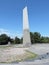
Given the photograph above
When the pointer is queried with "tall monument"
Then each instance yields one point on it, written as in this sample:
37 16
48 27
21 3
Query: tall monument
26 33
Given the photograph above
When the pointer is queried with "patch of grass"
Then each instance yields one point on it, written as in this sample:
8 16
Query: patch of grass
27 55
30 55
4 46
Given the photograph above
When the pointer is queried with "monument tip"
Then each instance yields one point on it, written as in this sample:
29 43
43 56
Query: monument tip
25 7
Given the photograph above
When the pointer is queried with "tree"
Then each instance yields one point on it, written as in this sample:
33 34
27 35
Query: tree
32 37
3 39
37 37
10 40
44 39
17 40
21 40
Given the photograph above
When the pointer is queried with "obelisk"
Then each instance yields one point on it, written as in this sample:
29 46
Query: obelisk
26 33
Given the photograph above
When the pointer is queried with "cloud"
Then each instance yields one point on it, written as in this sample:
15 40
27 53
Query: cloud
4 31
11 34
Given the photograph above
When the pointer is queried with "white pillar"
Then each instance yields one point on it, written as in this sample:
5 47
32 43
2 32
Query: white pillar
26 33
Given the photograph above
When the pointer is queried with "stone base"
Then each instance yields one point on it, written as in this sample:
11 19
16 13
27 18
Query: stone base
27 45
26 38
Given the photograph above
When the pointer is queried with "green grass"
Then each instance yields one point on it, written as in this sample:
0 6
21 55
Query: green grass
4 46
27 55
31 55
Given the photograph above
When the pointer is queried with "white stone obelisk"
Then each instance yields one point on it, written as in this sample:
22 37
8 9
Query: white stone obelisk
26 33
